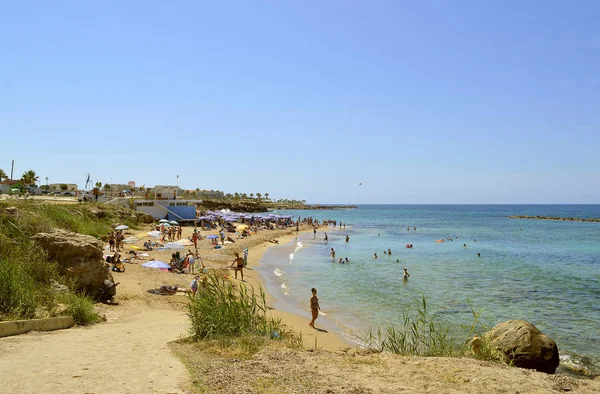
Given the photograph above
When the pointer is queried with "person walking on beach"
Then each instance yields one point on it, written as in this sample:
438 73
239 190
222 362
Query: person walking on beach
314 233
245 257
239 265
347 238
314 307
332 254
326 238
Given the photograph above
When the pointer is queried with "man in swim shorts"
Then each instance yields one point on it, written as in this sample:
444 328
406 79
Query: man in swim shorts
239 265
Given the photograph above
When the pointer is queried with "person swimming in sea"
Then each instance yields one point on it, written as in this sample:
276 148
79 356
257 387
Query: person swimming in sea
375 256
389 252
406 274
347 238
341 261
347 261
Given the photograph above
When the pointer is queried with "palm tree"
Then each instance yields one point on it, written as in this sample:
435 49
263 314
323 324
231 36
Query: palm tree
258 195
98 185
29 178
251 195
3 175
236 195
267 196
244 196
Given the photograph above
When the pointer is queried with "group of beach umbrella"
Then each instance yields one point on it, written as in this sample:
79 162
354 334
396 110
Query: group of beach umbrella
229 216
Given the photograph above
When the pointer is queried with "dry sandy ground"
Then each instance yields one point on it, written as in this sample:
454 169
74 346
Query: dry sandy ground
277 370
127 354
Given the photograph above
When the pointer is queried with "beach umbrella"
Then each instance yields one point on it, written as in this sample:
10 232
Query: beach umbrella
163 221
173 222
156 264
166 224
241 227
122 227
212 236
154 233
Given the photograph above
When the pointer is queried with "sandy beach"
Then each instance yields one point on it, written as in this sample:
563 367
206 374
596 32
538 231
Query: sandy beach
221 259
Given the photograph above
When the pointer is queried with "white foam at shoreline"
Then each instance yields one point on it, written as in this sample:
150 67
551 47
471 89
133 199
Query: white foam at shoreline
278 272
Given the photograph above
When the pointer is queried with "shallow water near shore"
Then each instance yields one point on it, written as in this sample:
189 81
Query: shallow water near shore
546 272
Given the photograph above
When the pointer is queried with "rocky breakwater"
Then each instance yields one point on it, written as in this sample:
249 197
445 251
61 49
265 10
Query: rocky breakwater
79 258
521 344
596 220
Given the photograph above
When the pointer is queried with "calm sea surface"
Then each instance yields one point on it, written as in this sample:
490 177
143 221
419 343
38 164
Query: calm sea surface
546 272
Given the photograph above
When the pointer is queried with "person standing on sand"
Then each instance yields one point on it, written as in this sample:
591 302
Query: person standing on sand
239 265
195 239
314 307
314 233
111 241
245 257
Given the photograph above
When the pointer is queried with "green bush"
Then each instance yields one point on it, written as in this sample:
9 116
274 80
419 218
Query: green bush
218 310
81 308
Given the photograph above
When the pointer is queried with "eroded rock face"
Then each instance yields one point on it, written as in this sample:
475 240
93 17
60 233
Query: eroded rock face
79 257
523 345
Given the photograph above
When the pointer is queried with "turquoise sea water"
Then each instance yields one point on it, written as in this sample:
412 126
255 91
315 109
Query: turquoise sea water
546 272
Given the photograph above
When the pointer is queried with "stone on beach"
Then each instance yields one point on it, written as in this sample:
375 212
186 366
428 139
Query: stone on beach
524 346
79 257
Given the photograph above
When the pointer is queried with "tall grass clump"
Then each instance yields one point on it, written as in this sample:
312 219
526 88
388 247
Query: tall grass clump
81 308
418 334
219 310
17 292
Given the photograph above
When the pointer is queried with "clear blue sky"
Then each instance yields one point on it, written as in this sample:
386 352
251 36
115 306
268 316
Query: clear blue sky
421 101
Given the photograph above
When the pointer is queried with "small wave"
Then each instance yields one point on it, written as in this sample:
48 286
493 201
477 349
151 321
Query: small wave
278 272
298 245
283 286
291 256
322 314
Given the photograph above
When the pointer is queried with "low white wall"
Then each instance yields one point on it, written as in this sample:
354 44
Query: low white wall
16 327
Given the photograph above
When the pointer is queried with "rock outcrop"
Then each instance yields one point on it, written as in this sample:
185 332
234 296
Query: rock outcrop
79 257
523 345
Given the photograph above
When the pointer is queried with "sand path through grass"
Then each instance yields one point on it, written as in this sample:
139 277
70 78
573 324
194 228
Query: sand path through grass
128 353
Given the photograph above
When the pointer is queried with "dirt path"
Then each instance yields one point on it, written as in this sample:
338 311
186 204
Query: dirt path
128 353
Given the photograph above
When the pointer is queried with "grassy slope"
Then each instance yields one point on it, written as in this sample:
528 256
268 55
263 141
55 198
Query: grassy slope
26 274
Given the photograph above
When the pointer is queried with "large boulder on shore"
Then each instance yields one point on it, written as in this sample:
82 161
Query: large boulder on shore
523 345
79 257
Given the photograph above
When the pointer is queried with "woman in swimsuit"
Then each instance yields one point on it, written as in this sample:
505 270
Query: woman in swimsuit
314 307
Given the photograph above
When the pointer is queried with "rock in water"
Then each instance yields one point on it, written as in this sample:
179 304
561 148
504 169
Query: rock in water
524 346
78 256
